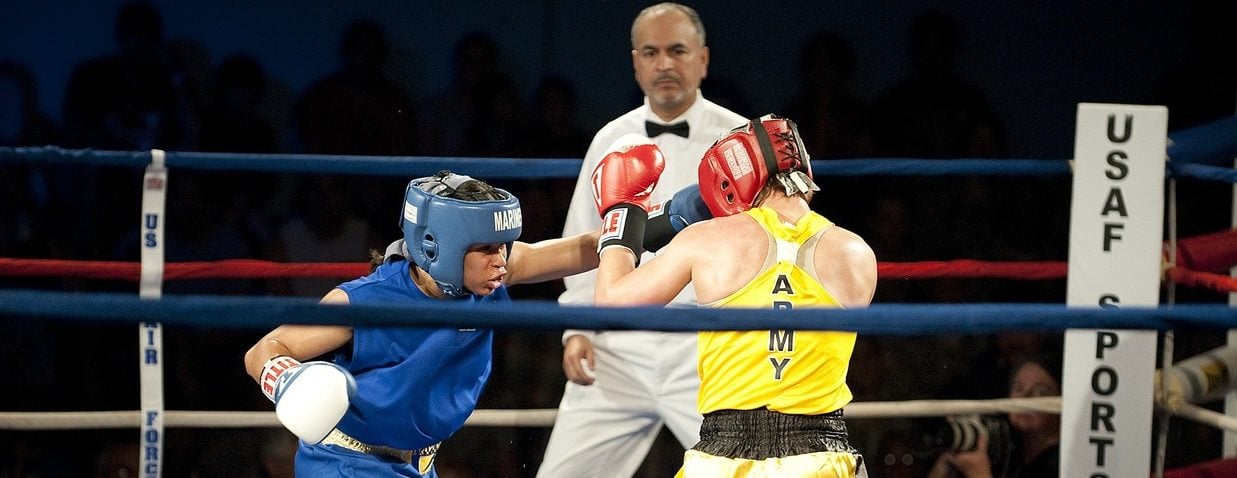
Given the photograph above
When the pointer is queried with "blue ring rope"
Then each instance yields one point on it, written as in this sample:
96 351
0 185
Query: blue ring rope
1202 152
879 319
541 168
500 168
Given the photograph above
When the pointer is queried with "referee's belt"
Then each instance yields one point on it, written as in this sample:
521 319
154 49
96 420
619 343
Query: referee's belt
343 440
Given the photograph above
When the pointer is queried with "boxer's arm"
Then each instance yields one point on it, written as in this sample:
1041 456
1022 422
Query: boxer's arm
656 282
301 342
311 397
552 258
557 258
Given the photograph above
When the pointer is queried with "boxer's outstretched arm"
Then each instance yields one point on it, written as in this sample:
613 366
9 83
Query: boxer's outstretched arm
552 258
656 282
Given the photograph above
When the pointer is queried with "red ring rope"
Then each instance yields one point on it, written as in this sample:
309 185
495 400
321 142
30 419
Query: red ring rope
1197 255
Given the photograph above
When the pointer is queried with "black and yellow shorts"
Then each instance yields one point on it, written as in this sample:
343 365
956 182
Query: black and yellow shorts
764 443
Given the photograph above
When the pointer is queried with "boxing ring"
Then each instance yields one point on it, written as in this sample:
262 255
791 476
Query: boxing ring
1203 153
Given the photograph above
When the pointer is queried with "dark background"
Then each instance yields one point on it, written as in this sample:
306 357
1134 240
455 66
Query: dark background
1033 59
247 77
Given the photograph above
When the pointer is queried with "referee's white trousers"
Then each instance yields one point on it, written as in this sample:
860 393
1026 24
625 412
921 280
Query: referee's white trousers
644 379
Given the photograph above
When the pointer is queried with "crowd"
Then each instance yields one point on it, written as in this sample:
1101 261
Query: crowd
160 91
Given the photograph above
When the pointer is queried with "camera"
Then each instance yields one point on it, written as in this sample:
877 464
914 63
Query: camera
962 433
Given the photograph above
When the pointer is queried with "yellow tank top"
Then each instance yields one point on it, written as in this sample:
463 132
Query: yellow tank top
789 371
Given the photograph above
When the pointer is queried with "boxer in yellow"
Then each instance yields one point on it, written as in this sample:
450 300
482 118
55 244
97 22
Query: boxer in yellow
772 400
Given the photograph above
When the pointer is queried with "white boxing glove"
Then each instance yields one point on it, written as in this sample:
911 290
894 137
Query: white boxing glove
310 398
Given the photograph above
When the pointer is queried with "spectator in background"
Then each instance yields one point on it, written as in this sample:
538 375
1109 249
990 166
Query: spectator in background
322 228
832 119
24 195
499 120
241 453
552 131
993 361
125 100
236 122
1037 436
935 113
22 122
190 66
932 113
886 444
834 124
233 121
122 101
448 114
555 130
359 110
896 457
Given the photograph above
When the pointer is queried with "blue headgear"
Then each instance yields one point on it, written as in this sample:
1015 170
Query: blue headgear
438 230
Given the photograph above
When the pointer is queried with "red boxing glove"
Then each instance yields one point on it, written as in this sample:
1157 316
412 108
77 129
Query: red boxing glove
622 183
627 173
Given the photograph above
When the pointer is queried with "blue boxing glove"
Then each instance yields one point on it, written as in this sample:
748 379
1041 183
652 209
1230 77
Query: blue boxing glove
310 398
687 207
668 218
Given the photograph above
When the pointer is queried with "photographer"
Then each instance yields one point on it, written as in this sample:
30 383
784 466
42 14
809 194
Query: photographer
1036 435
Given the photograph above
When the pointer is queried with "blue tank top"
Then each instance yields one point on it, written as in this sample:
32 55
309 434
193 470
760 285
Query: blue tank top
415 386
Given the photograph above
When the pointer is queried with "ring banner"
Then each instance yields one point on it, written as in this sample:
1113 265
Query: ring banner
1116 230
150 335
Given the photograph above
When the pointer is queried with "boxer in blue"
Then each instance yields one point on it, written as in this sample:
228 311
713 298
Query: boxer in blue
390 395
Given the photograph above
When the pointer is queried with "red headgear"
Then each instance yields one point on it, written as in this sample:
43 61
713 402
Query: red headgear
737 166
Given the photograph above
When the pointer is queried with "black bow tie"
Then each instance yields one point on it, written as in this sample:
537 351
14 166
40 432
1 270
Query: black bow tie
656 129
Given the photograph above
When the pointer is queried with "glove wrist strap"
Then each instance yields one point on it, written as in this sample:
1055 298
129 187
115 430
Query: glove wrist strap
272 370
660 228
623 225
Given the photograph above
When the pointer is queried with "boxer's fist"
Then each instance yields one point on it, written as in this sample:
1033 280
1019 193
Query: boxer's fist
687 208
310 398
668 218
627 173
